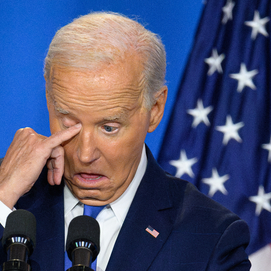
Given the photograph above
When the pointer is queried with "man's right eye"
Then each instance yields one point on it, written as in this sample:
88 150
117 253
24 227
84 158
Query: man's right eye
66 123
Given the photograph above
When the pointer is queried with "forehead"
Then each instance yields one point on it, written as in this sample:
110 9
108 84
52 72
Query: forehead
113 85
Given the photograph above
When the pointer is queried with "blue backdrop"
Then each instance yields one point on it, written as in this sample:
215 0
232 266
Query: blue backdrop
27 27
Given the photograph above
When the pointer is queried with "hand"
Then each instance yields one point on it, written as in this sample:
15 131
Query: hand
25 159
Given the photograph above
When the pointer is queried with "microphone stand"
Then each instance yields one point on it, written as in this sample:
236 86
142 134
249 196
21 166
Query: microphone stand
81 256
18 252
16 265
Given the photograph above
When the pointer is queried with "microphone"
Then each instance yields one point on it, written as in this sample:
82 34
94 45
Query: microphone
83 242
19 240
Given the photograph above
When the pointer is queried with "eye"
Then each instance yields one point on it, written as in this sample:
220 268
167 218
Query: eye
110 129
66 122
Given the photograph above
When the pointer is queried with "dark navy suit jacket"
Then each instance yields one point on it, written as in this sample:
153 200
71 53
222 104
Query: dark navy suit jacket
195 233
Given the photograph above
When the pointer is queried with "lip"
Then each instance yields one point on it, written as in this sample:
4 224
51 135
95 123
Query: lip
89 178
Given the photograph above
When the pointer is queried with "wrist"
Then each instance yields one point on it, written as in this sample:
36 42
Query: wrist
8 195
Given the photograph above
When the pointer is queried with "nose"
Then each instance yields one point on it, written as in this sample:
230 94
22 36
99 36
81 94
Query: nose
86 150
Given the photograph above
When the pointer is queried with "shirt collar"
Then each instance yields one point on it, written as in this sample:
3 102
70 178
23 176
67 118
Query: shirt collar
70 201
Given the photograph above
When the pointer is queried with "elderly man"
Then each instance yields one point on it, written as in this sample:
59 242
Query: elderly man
105 91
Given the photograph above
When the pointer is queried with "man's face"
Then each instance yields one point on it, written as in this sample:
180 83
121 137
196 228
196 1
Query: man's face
100 161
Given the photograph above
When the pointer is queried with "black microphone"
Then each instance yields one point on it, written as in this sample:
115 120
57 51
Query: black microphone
83 242
19 240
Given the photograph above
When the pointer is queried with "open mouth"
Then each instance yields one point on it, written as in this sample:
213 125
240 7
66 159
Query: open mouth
90 177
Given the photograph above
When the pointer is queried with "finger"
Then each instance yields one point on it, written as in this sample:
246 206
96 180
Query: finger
62 136
50 172
54 175
55 166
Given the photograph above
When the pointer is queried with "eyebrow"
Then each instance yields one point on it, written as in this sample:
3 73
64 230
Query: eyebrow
113 118
59 109
62 111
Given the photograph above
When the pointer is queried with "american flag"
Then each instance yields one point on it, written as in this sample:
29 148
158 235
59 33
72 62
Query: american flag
152 231
219 133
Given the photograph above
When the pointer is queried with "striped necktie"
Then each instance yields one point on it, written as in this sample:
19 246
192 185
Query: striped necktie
92 211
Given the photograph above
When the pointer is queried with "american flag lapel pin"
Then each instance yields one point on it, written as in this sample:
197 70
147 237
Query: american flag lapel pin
152 231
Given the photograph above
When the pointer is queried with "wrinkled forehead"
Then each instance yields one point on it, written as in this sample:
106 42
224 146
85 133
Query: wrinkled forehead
110 86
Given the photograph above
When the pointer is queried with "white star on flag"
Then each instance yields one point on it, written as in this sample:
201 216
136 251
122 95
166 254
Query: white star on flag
262 201
268 147
214 62
244 78
227 10
258 25
216 183
230 130
200 114
183 165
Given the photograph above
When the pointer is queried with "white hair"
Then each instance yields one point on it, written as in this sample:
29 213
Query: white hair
98 38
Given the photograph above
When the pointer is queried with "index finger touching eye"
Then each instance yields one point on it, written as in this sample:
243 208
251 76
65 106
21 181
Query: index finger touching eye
62 136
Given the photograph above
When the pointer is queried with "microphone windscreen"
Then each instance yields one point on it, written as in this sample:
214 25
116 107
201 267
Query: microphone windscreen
20 223
84 228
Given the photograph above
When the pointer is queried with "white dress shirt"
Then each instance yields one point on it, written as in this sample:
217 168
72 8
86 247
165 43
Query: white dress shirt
110 218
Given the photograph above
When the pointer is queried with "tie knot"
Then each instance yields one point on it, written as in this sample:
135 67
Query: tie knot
92 211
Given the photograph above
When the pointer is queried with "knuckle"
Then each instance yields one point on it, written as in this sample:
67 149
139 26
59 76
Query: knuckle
25 131
28 130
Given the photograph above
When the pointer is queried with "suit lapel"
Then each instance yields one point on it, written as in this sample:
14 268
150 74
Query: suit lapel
135 248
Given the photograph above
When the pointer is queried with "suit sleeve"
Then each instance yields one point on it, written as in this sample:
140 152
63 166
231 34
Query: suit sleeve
229 252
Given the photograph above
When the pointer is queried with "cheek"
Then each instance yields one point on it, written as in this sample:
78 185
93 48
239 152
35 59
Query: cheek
69 157
129 147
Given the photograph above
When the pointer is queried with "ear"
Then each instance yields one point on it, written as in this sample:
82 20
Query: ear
157 110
